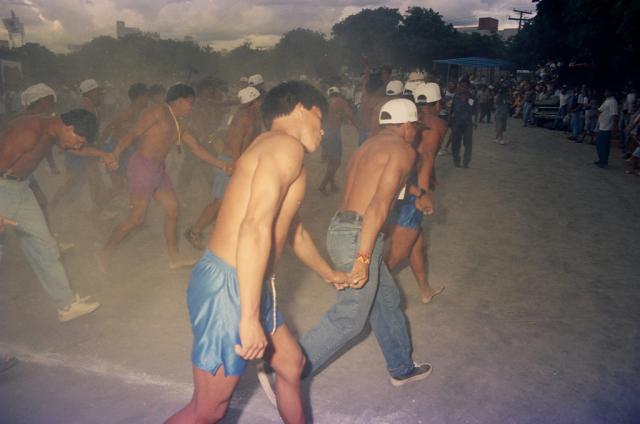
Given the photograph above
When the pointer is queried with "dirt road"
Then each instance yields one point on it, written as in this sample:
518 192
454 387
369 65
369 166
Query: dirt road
538 322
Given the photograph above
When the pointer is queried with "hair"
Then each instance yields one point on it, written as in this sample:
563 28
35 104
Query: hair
179 91
137 90
283 98
84 123
156 89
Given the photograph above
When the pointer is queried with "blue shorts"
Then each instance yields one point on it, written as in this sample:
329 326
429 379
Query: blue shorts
220 179
407 215
213 300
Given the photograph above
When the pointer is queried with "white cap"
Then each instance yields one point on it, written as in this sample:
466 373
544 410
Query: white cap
88 85
36 92
415 76
333 90
427 93
398 111
255 80
394 88
410 86
248 94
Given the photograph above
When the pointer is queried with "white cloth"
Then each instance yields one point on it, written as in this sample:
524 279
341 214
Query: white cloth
36 92
608 110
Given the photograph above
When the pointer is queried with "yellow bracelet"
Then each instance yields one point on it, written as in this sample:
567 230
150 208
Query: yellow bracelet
363 258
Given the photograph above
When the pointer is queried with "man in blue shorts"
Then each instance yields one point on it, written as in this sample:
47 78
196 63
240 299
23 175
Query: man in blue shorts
231 295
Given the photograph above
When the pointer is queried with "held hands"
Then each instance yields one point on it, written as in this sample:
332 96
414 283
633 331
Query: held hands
228 168
339 279
425 204
110 161
252 338
359 274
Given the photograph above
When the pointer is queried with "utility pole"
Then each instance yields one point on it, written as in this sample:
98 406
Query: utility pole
520 19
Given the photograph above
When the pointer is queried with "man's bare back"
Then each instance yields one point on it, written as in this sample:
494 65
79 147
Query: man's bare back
367 166
339 111
157 132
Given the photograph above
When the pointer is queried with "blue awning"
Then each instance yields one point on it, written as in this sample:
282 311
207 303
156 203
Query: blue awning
476 62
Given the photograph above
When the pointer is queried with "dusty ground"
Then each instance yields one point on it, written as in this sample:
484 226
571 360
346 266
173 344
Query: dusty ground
538 322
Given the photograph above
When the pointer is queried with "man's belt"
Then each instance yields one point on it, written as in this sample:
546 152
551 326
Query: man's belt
10 177
348 217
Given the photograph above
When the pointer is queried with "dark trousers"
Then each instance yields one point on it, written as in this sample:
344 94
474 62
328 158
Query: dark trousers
603 146
462 135
485 112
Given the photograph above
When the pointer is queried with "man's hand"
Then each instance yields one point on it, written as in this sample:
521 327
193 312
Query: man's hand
228 168
6 221
110 161
339 279
425 204
252 339
359 274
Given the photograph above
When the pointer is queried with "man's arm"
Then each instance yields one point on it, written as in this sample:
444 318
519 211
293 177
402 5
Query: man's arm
306 250
203 154
428 149
236 134
394 173
271 180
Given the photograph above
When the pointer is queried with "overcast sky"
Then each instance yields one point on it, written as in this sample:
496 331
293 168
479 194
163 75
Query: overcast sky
221 23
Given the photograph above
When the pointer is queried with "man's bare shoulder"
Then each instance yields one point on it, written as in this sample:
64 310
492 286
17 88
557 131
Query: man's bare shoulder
279 143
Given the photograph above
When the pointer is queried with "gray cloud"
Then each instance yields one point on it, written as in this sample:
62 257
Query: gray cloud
58 23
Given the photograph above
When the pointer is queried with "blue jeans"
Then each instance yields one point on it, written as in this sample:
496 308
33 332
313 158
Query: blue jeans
18 203
377 303
577 123
603 146
462 136
527 108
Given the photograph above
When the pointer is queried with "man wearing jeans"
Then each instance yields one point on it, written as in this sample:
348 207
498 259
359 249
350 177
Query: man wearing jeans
607 120
376 173
23 144
460 121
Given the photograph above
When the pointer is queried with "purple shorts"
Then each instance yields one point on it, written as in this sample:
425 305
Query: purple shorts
146 176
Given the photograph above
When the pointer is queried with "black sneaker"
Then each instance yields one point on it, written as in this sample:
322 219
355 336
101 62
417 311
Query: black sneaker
419 372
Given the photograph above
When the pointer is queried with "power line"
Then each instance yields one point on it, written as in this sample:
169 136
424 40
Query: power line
521 19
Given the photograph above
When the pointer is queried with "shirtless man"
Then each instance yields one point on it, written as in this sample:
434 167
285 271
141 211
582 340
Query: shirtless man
234 319
23 144
157 130
244 128
119 125
407 238
376 173
367 116
339 111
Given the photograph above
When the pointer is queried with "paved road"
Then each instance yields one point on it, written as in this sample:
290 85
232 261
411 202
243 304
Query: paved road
538 322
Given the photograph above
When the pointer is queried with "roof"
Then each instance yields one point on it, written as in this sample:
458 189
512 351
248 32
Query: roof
476 62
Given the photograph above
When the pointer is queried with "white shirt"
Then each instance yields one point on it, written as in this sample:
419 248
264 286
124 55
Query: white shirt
608 110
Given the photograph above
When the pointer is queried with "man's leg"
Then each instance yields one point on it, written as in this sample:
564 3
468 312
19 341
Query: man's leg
456 138
41 250
390 326
418 263
137 211
468 145
211 396
347 318
169 203
402 241
285 357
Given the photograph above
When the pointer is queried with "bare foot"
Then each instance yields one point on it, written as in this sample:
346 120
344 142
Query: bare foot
102 257
179 263
430 293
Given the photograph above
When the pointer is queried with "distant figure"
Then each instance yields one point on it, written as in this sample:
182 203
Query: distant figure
376 173
407 237
463 108
607 123
231 295
502 113
339 112
244 128
23 144
158 130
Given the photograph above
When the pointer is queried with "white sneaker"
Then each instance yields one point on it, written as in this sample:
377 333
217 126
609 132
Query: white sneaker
80 307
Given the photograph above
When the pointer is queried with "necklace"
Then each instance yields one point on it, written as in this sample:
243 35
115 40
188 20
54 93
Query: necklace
175 120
